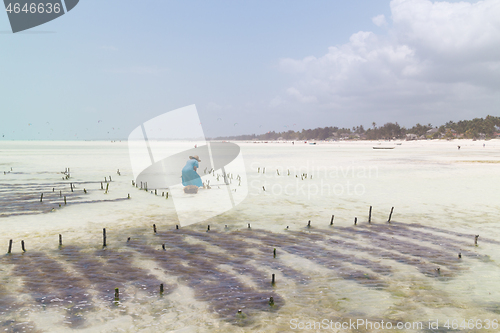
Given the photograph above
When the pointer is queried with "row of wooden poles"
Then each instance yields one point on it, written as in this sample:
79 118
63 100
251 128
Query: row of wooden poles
104 243
117 291
302 176
85 190
144 186
356 219
370 216
104 238
273 276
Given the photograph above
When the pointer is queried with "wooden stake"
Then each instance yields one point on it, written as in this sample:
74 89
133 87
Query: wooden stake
107 188
117 294
64 199
370 215
154 228
331 221
41 197
475 239
271 301
71 185
103 237
390 215
128 196
273 280
208 229
110 179
309 224
248 225
60 240
10 246
177 226
60 193
355 220
161 289
102 188
163 247
22 246
274 253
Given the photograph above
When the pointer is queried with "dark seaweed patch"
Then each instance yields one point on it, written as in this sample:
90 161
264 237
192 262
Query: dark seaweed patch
115 271
24 199
223 291
320 255
454 233
42 279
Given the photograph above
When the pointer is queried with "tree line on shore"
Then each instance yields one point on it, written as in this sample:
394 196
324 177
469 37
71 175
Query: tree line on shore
471 129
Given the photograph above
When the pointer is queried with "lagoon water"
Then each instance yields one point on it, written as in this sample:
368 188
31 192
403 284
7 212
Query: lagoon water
406 271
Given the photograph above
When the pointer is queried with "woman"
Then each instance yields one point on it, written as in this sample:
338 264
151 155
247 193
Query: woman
189 174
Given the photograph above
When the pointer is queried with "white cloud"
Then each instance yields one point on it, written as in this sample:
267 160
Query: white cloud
437 58
276 101
300 97
379 20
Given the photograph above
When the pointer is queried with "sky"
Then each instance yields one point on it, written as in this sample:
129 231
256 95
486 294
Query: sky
106 67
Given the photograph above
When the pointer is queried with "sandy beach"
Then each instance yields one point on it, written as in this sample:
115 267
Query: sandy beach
406 271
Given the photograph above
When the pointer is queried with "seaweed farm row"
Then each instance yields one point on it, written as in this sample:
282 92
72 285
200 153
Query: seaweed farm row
238 275
44 192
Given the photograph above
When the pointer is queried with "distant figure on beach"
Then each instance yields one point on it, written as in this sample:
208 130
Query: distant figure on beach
189 174
458 147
